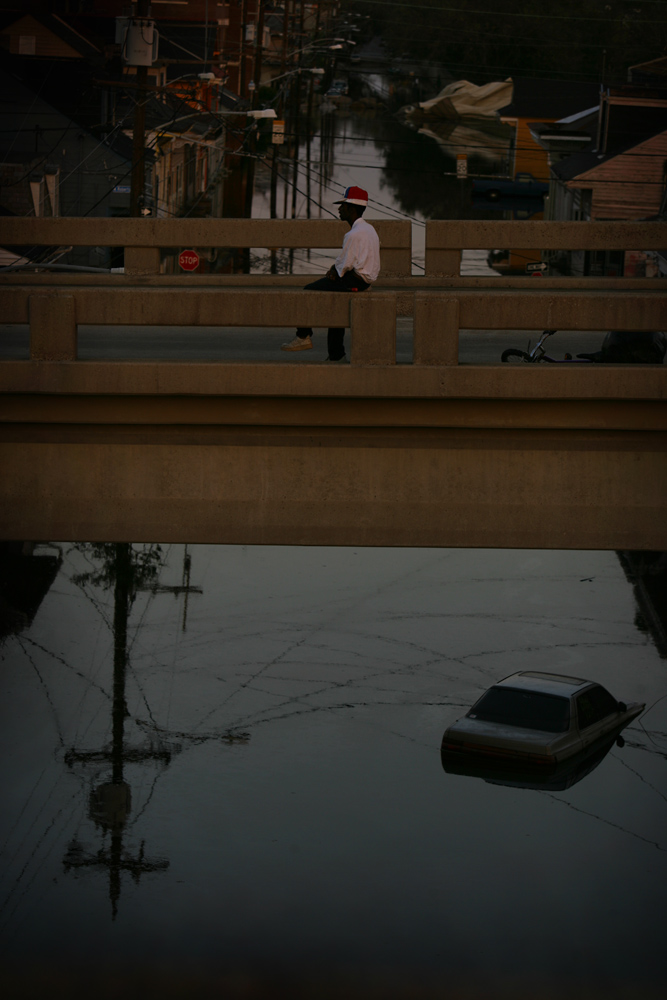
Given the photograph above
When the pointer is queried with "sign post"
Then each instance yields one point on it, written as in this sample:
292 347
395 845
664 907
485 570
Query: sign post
278 131
189 260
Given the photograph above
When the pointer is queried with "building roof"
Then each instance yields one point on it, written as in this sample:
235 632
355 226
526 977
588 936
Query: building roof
35 15
42 123
654 71
627 126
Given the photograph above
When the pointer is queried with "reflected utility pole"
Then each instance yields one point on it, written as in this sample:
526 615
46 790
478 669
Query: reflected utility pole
110 802
185 587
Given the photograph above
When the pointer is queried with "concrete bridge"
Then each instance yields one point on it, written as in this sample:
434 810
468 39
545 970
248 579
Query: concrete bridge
432 453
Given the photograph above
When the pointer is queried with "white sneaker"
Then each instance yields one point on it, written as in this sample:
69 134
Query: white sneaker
298 344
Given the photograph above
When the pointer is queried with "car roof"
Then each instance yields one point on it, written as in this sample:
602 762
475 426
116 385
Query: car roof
533 680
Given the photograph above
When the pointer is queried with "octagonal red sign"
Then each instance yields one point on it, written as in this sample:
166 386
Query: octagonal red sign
189 260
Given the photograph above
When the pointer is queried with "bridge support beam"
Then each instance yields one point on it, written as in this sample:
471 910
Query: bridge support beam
561 467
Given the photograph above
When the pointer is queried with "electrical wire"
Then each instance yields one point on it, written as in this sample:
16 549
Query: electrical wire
501 12
461 34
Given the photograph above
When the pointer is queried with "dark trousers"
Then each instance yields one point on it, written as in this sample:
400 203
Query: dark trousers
350 282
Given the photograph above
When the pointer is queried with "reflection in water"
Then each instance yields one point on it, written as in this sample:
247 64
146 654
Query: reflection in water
330 840
128 570
488 142
647 572
25 578
551 778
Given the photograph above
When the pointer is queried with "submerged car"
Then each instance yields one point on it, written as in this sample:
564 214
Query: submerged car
539 718
521 774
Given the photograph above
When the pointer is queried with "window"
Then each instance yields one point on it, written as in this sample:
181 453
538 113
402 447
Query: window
594 705
549 713
27 45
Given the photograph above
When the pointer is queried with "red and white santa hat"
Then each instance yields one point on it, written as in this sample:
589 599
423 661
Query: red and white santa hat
354 196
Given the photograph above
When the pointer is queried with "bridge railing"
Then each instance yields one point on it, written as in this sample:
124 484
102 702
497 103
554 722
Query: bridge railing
54 314
446 239
442 301
439 316
144 238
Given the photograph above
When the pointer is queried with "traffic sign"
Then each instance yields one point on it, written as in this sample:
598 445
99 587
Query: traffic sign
536 267
189 260
277 131
462 165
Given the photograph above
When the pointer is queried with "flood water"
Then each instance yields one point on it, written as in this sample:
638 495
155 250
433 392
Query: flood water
409 174
224 761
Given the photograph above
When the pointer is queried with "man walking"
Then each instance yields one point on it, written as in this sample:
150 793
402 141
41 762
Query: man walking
354 270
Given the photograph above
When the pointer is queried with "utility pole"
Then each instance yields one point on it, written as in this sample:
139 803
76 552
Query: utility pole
287 100
259 42
138 135
185 587
242 66
257 72
281 114
297 106
308 124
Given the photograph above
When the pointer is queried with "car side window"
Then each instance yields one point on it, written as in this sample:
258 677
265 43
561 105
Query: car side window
594 705
585 712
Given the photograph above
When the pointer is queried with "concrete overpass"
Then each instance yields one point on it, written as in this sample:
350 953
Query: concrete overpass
434 453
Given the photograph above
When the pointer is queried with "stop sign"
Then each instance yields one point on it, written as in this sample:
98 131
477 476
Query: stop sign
189 260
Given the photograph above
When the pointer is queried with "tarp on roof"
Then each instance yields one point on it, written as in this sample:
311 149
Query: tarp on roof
463 99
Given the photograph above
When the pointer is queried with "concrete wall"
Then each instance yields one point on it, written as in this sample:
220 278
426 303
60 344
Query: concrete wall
363 456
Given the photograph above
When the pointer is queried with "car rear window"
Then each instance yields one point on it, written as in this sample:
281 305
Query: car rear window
549 713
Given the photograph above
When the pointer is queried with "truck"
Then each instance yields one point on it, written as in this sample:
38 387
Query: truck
524 185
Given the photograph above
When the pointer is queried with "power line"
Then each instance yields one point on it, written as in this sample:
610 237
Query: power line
502 12
476 32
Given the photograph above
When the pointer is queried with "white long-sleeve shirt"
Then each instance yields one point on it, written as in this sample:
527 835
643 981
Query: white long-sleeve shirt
360 253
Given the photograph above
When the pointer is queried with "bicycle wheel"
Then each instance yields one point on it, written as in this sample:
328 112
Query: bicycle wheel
515 357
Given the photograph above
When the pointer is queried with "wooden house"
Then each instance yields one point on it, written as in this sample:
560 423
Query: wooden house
535 100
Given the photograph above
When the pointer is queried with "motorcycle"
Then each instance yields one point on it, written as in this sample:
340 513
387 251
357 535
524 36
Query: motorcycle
620 347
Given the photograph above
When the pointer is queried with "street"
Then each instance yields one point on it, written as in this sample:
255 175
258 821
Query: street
175 343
